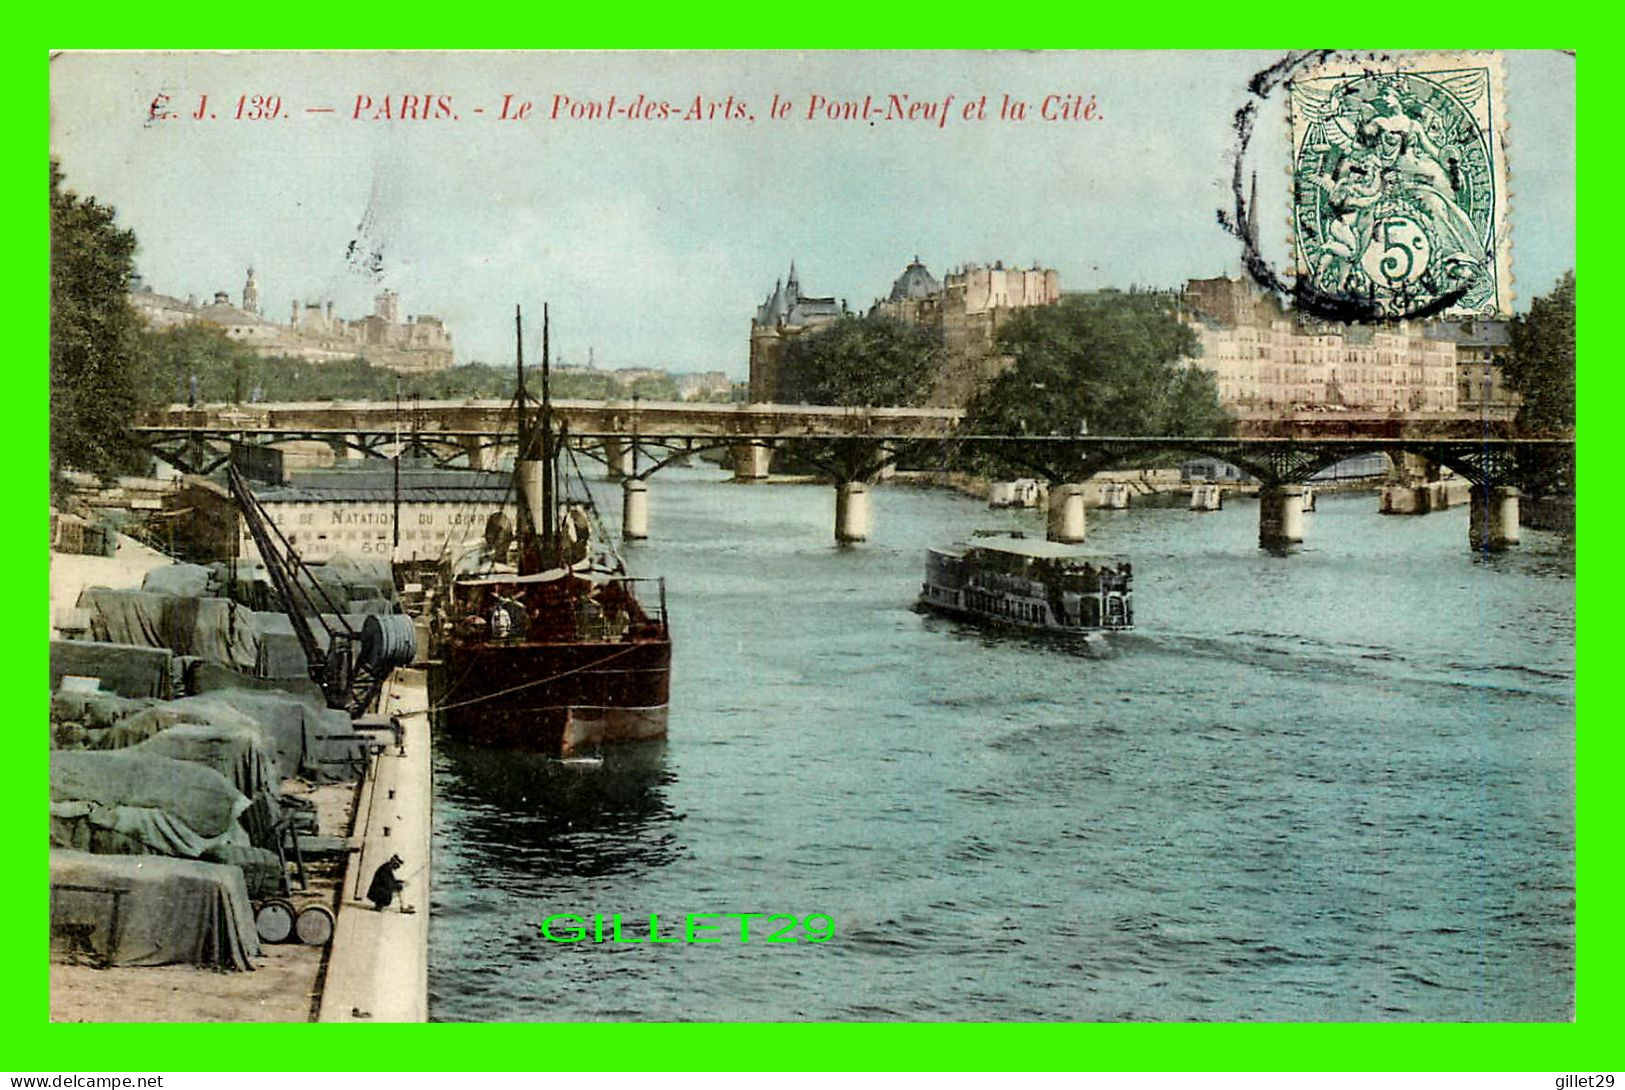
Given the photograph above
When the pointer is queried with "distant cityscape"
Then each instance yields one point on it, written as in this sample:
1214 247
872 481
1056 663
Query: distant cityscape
1263 356
420 344
313 332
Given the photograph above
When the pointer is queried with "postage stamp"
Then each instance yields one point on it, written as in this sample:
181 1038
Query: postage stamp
1399 188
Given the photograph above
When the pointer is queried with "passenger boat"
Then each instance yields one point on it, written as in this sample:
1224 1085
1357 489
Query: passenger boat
554 652
1010 580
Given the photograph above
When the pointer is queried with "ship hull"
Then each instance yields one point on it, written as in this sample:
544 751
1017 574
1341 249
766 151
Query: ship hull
1004 622
561 698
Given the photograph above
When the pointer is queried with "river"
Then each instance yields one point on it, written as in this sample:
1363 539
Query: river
1336 785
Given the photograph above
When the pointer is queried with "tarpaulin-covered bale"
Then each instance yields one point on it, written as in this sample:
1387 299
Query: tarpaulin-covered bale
249 584
262 868
215 629
238 753
368 584
156 718
188 580
78 719
124 616
120 910
208 677
97 710
280 653
375 572
313 742
118 802
128 670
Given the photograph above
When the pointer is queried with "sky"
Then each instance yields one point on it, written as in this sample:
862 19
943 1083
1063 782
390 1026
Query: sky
653 239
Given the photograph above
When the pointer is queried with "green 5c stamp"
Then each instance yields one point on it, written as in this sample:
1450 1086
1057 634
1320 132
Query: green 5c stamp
1399 187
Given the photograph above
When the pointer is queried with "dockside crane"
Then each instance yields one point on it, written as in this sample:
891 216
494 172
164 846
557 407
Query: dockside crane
352 667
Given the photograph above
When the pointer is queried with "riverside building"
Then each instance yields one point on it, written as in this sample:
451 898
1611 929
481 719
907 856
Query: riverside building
1264 357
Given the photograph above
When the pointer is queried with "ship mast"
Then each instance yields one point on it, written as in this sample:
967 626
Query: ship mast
550 521
535 466
519 386
522 476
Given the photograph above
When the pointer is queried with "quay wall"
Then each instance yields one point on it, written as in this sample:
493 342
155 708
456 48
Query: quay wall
379 967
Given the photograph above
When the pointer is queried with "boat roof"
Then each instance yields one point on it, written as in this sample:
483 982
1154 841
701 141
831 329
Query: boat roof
1032 548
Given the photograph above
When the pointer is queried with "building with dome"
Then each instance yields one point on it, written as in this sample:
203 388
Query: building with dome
914 284
967 309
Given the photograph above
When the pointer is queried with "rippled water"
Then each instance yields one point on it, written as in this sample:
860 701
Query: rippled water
1332 786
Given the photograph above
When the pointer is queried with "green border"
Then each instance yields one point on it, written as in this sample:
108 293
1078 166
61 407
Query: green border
32 1044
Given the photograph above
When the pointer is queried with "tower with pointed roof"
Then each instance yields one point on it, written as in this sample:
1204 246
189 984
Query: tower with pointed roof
251 293
784 315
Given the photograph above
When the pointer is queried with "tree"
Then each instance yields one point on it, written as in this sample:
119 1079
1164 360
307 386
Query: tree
861 361
1112 365
1541 368
94 335
224 370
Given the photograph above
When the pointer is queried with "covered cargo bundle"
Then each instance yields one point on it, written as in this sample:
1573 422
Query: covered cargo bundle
213 629
300 739
346 584
358 584
238 753
95 710
350 584
117 802
187 580
79 718
203 678
125 669
307 740
150 721
119 910
280 653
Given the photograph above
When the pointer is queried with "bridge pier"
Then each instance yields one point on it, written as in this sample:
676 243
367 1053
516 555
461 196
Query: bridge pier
1280 515
618 458
751 461
634 509
853 517
1114 496
888 468
1066 518
1493 519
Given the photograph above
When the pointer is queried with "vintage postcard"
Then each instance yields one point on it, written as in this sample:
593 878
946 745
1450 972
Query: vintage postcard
813 537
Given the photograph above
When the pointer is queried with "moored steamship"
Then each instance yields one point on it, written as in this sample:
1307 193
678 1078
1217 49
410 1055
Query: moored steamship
554 652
